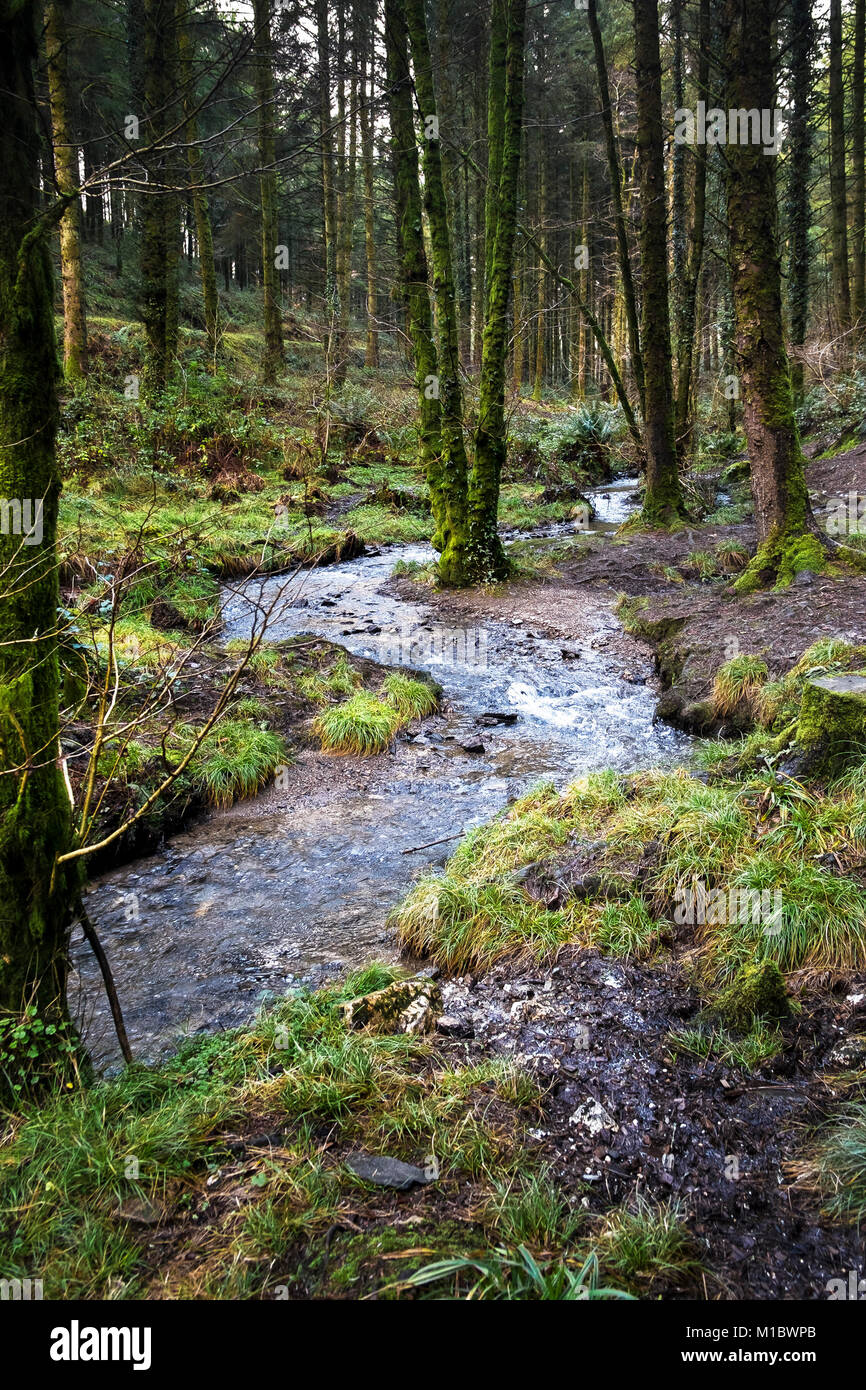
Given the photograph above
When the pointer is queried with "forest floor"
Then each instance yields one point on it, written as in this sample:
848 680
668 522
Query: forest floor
601 1113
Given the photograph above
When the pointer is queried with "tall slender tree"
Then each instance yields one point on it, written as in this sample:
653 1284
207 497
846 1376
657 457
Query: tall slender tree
35 897
67 178
663 498
838 182
783 515
486 558
273 357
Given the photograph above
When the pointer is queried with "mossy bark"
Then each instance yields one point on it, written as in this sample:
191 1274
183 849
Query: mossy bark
448 504
663 500
453 464
35 902
831 727
346 201
838 187
486 558
329 195
273 356
687 275
802 39
858 166
786 532
66 173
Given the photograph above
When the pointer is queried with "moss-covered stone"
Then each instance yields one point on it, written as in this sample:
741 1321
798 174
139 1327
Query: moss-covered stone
756 992
406 1006
832 723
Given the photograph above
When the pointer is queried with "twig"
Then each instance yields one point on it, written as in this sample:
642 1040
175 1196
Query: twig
108 980
431 843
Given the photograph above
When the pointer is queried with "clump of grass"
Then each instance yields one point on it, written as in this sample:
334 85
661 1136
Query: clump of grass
413 699
533 1210
362 725
626 929
837 1166
748 1052
339 679
236 760
647 1241
367 722
737 685
628 609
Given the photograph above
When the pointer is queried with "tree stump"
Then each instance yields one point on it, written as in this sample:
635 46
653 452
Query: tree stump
832 723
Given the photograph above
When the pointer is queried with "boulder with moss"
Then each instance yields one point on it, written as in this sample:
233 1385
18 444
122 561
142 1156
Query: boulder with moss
406 1006
756 992
831 728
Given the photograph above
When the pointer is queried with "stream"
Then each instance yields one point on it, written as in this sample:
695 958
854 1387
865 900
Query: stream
248 904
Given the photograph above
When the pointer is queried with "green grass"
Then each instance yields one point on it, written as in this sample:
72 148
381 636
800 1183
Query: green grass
646 1242
412 699
738 683
235 760
363 725
158 1135
366 723
748 1051
837 1166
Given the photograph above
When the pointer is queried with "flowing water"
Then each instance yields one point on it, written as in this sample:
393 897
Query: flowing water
251 903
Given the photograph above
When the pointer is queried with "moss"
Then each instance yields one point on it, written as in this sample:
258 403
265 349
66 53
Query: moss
756 992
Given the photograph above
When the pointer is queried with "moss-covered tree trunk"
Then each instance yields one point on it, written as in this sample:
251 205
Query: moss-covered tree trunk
67 177
783 518
486 557
160 225
838 182
35 902
541 277
273 356
448 502
453 465
687 274
329 193
368 87
858 166
615 175
802 39
201 208
663 501
348 177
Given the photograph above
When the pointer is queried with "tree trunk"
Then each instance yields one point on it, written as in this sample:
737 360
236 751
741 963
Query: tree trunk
67 176
329 193
201 210
662 503
801 43
447 495
371 358
783 515
858 165
541 281
453 463
160 227
686 276
35 824
838 193
486 559
273 358
615 174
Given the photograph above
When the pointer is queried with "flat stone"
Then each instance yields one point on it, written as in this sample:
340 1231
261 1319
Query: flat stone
387 1172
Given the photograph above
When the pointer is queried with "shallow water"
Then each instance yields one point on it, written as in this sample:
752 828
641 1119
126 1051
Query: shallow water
250 904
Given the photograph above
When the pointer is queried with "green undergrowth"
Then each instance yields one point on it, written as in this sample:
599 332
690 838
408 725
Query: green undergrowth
368 721
221 1173
752 843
